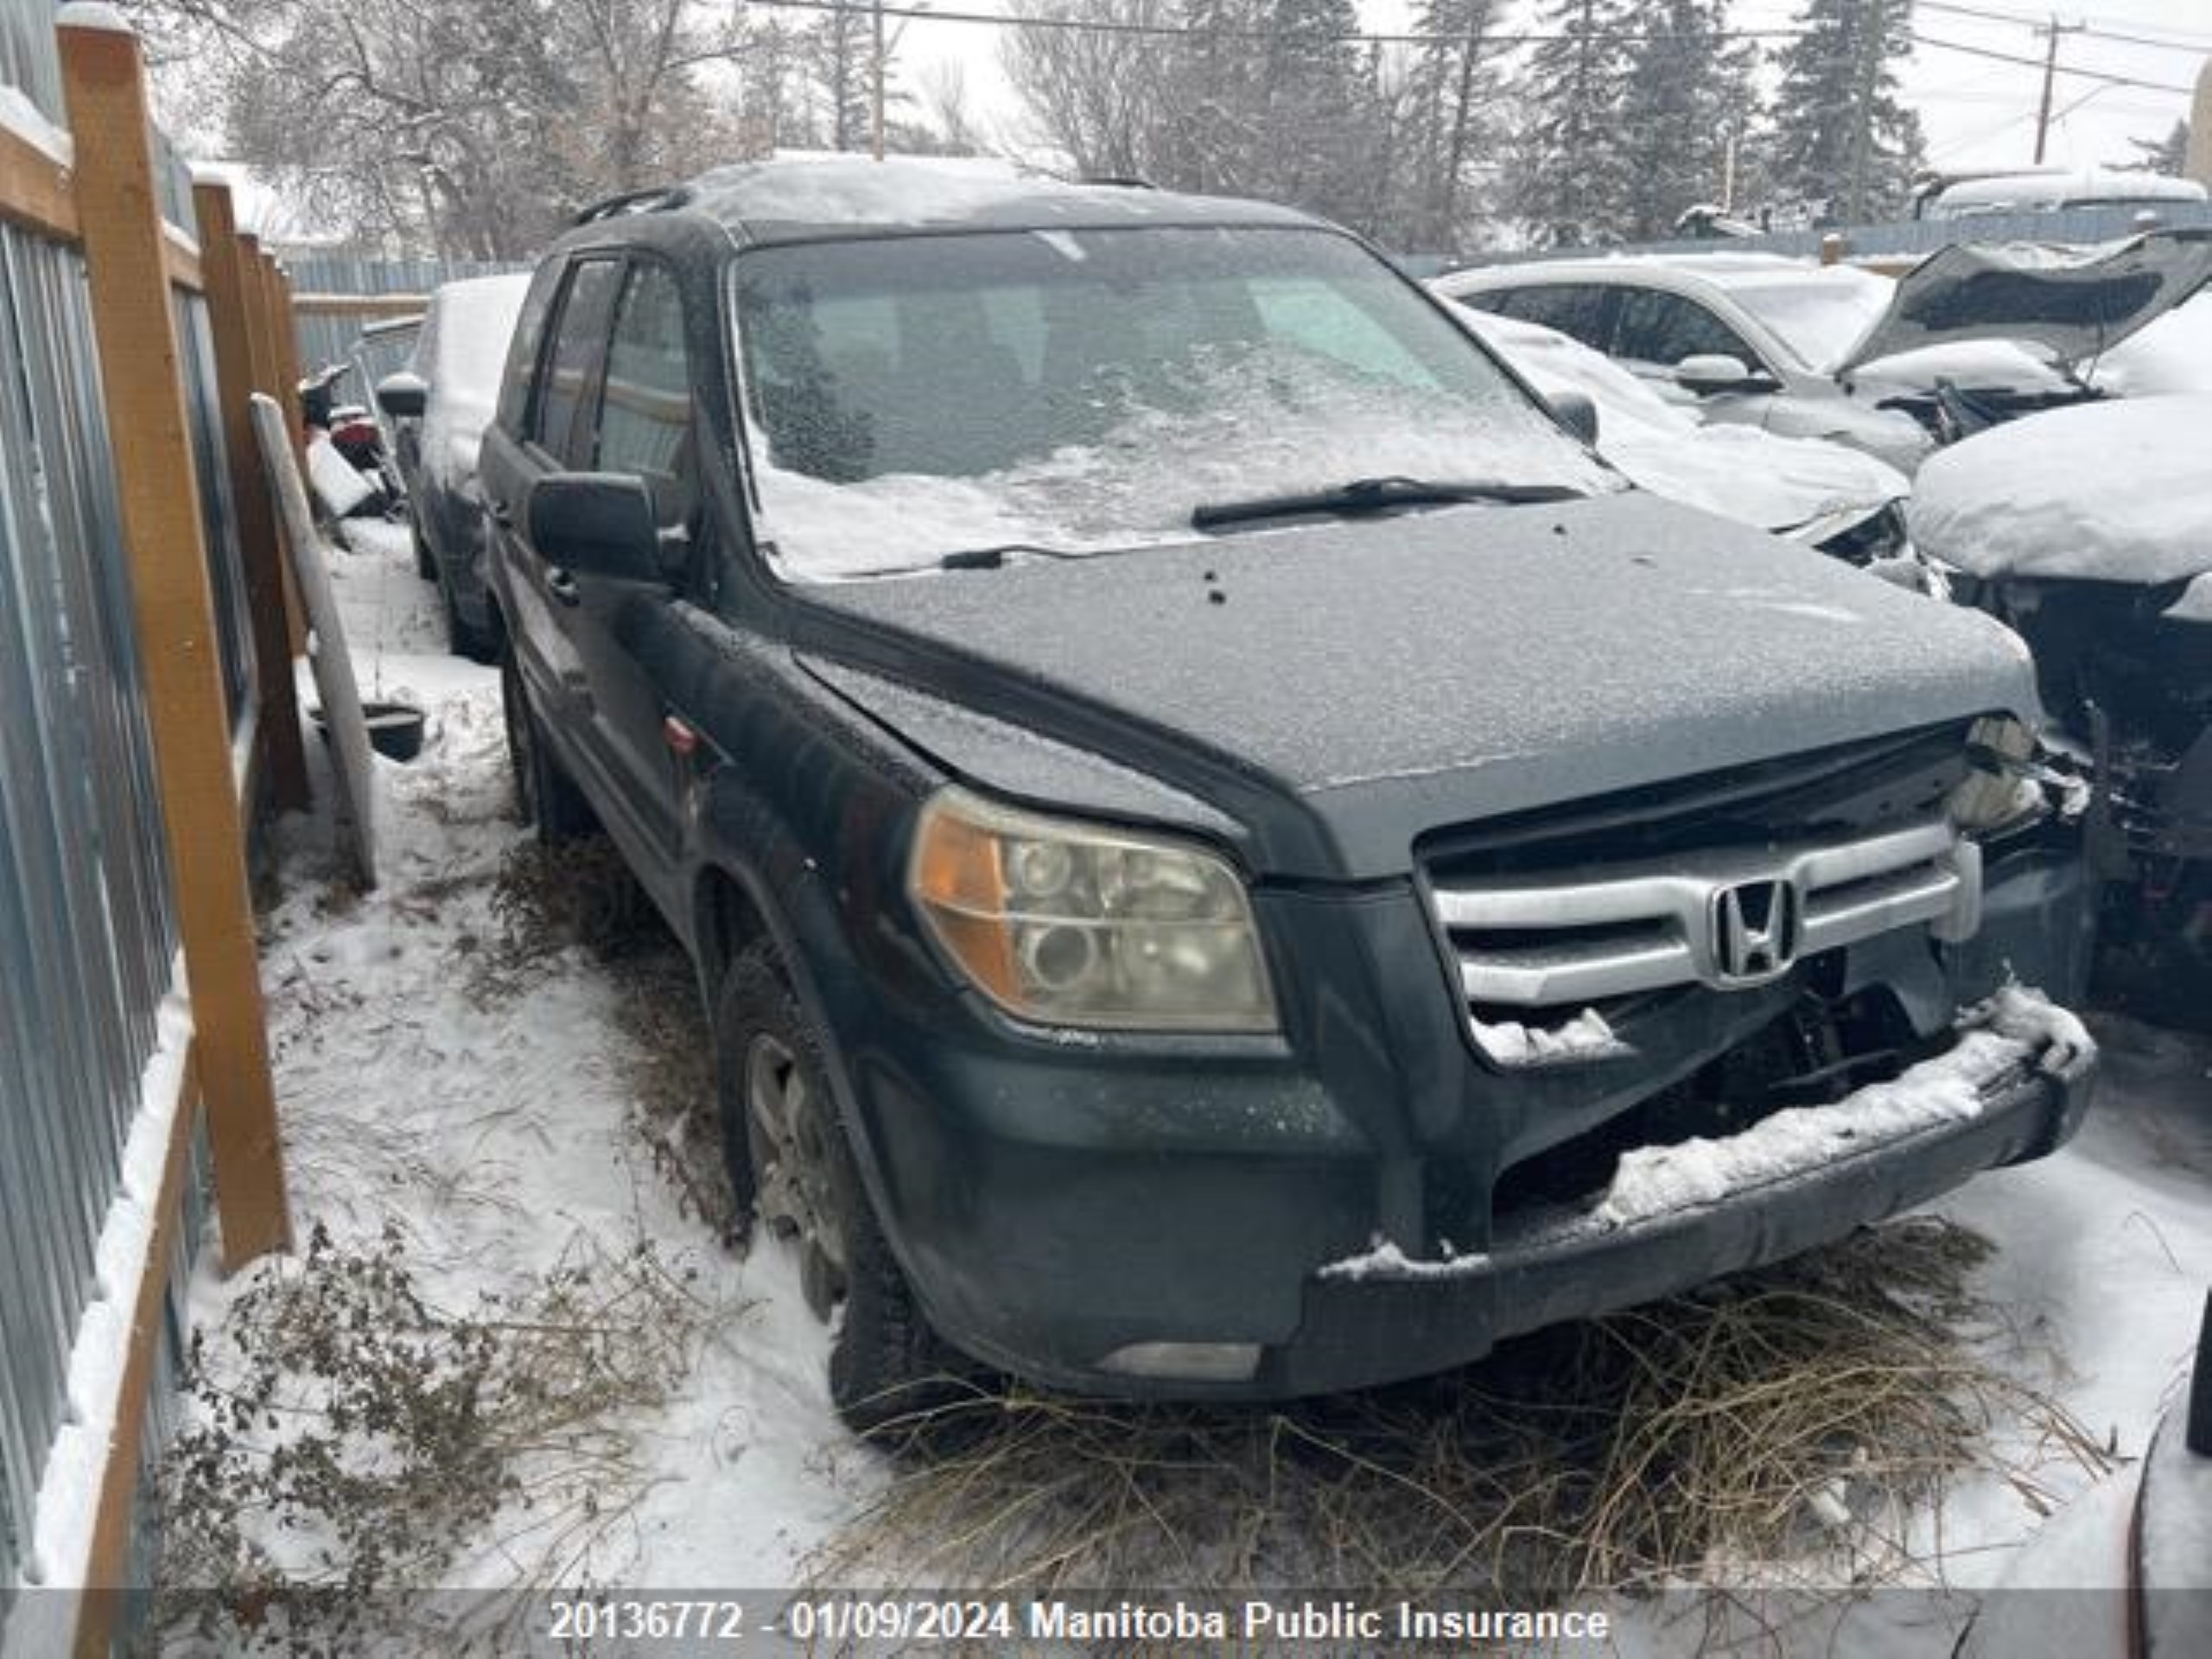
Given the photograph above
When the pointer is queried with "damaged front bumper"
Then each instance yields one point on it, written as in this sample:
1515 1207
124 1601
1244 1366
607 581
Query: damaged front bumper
2015 1087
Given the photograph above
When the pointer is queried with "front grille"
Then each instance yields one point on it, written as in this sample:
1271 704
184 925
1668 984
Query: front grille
1534 951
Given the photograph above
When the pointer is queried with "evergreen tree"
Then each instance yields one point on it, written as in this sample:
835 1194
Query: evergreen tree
1452 91
1315 118
1842 137
1688 91
1573 176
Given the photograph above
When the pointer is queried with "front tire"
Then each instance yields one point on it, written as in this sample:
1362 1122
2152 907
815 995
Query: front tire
792 1165
545 794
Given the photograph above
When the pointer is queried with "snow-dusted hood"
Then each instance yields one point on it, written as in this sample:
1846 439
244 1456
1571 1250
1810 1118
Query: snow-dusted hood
1385 677
2073 303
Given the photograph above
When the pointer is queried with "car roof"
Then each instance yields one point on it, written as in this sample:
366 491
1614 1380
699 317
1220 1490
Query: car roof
1723 270
814 198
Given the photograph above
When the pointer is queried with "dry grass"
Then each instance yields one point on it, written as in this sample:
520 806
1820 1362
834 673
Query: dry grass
1798 1416
353 1439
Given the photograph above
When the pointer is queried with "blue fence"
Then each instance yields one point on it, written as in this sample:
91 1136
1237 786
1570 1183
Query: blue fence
87 931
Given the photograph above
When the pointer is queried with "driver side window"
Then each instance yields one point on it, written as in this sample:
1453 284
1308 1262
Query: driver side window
1662 329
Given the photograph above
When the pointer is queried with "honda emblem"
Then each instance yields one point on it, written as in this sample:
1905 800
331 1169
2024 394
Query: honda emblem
1755 928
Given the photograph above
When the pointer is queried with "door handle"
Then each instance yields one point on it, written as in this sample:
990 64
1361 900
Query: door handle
562 586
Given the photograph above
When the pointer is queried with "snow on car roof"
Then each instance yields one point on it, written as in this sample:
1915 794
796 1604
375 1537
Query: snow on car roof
2108 492
791 199
2048 188
1721 268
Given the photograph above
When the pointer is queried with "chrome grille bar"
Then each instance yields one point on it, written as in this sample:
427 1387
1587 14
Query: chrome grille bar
1617 930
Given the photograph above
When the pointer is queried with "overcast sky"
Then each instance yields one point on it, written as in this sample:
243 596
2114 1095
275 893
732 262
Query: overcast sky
1978 112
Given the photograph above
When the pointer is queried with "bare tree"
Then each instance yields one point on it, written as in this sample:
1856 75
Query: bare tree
467 128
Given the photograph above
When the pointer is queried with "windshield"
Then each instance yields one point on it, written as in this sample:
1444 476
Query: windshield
1820 315
1079 392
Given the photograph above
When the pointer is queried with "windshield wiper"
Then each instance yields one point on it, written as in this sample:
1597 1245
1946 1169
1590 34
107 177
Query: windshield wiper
1375 495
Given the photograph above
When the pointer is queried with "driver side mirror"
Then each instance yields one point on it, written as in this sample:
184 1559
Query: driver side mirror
403 394
596 524
1577 413
1709 372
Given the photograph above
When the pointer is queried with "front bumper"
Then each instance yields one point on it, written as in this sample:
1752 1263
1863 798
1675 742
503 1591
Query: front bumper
1367 1330
1057 1202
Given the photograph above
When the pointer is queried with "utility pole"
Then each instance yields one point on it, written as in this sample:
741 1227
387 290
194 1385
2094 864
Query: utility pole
2051 31
876 88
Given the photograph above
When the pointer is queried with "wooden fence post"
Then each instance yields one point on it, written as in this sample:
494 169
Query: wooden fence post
228 303
269 360
119 219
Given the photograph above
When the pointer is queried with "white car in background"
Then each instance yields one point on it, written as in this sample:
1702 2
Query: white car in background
1841 501
1885 365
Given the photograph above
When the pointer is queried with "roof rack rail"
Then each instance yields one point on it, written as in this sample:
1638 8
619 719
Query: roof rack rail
635 201
1119 182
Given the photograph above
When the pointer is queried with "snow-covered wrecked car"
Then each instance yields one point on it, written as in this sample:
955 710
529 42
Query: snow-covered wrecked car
1839 500
1969 336
439 406
2090 530
1228 854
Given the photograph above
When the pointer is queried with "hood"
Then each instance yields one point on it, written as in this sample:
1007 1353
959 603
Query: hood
1745 473
1338 690
2073 303
2119 491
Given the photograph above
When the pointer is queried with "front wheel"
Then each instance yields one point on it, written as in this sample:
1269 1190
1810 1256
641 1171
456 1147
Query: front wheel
544 793
793 1170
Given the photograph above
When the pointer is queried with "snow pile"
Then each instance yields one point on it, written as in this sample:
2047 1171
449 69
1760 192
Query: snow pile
1586 1037
1979 364
1278 421
27 121
2195 604
1385 1260
2113 491
2013 1028
2170 356
1738 472
462 355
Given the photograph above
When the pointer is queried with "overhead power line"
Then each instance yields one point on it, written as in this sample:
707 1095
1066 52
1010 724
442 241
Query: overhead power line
2185 42
1522 37
1994 56
1184 31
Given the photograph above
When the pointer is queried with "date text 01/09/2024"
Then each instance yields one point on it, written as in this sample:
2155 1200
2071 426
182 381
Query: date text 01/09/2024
716 1621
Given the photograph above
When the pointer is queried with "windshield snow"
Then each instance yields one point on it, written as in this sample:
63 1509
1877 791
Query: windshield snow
1820 314
1083 392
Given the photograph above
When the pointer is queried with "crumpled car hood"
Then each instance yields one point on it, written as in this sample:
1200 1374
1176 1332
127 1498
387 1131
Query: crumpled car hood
2073 303
1339 689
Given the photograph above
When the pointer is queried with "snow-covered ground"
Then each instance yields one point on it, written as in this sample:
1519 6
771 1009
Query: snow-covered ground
494 1129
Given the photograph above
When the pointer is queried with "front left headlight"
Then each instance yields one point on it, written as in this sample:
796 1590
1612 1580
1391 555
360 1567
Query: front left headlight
1071 923
2005 789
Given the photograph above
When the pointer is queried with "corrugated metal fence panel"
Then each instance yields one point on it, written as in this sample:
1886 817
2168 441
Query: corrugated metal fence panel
1915 238
27 57
225 563
331 338
85 935
88 933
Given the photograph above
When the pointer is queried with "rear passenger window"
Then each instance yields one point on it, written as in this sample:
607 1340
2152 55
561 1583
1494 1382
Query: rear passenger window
645 414
564 377
1577 310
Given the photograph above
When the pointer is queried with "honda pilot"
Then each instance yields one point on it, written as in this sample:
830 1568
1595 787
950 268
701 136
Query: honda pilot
1228 854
